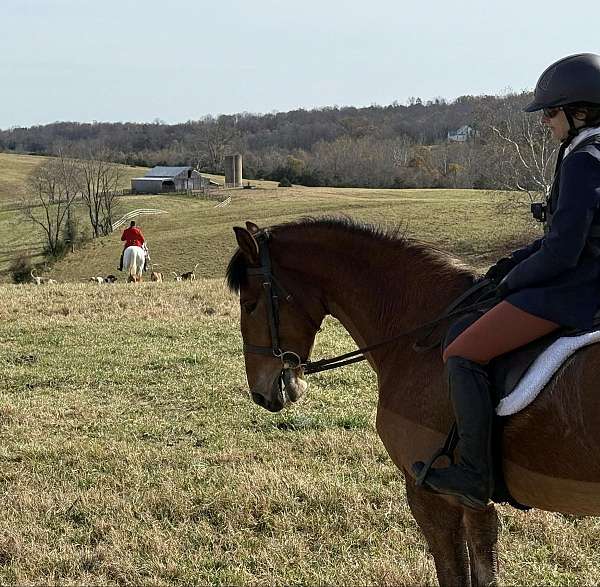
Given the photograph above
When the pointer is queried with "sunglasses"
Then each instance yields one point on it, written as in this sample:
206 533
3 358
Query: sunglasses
551 112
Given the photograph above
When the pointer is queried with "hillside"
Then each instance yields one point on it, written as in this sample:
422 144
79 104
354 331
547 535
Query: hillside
192 231
17 235
375 146
14 170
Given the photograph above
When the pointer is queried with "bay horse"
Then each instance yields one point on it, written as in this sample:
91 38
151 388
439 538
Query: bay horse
133 263
377 284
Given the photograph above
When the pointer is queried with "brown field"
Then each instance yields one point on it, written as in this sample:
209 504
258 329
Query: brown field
131 453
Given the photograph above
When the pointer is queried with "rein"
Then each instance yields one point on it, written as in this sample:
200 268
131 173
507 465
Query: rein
292 360
451 311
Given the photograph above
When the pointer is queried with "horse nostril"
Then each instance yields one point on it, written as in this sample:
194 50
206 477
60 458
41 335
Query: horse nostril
258 399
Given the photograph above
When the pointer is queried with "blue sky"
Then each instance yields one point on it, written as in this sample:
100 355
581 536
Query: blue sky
126 60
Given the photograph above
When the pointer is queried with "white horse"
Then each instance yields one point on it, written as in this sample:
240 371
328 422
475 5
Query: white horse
133 262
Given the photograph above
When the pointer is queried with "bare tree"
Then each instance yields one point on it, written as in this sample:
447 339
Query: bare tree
523 151
98 182
49 195
402 150
215 138
530 167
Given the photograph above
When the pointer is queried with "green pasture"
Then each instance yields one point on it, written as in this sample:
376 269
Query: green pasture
131 455
14 170
193 230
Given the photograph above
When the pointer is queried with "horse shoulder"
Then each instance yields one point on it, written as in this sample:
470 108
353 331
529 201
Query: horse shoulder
413 412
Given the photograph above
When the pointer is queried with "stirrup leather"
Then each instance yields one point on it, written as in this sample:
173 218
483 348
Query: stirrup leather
445 451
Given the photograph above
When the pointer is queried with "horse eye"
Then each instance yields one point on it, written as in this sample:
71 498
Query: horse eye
249 307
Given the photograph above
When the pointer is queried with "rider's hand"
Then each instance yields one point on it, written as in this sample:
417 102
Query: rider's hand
500 270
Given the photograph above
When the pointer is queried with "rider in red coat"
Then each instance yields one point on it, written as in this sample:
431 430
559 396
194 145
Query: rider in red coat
133 237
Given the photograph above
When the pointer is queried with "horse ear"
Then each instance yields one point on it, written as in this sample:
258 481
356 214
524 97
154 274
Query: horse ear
247 243
252 228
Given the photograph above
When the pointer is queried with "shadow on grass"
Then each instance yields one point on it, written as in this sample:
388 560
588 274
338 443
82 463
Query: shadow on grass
304 422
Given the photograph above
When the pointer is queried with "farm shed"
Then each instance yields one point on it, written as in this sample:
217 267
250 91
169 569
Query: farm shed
168 179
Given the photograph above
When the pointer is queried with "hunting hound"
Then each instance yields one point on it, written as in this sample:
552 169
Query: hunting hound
39 280
190 275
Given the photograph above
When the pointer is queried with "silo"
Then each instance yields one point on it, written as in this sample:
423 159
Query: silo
233 170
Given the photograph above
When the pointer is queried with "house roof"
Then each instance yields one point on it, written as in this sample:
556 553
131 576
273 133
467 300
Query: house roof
146 178
166 172
462 130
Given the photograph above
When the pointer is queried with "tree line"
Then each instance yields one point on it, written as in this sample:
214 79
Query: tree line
395 146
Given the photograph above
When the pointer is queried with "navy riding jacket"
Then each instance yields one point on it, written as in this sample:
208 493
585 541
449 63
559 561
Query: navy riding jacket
558 276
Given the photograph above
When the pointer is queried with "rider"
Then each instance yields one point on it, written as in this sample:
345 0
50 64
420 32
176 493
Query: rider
133 237
553 282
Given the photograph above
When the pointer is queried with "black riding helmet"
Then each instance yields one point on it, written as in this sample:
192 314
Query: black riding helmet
572 79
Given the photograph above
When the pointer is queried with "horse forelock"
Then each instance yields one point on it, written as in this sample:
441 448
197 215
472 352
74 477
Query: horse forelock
237 268
236 274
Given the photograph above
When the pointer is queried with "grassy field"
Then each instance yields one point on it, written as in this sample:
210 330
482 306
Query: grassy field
192 231
131 455
465 222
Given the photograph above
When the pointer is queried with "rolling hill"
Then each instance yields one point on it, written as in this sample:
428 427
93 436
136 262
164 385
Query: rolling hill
194 230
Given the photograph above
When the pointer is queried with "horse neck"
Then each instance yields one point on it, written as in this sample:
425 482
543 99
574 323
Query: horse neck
376 288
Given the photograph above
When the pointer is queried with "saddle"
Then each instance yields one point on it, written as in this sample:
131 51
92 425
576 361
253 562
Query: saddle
505 372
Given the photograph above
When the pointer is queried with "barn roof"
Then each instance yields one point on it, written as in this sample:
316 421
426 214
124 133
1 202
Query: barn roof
166 172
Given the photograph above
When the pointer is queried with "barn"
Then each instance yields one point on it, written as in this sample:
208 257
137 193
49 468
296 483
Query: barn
168 179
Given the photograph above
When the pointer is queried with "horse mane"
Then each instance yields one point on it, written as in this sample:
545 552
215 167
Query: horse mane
237 276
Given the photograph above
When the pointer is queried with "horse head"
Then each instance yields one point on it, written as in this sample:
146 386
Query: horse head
279 318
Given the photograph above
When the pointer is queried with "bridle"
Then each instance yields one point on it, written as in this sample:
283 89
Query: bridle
274 291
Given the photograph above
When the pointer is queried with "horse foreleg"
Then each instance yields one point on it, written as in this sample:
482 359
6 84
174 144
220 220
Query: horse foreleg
442 525
481 529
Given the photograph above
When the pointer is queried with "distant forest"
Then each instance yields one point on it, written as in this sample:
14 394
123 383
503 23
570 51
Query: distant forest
398 146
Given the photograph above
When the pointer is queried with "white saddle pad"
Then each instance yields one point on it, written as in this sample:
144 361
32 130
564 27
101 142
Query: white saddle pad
542 370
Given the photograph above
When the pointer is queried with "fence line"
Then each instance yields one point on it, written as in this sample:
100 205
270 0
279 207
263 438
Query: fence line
135 214
224 203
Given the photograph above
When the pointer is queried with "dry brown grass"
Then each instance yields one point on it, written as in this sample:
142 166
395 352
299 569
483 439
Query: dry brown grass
194 231
131 455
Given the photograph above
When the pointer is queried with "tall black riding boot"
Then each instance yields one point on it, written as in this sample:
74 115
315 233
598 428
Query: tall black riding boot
121 261
471 479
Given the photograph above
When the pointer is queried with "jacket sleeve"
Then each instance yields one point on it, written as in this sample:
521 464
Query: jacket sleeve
522 254
561 248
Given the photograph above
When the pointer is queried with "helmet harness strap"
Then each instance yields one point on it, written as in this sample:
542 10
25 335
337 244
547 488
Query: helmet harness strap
573 130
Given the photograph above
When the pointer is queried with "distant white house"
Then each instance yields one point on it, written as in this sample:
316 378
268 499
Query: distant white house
462 134
169 179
